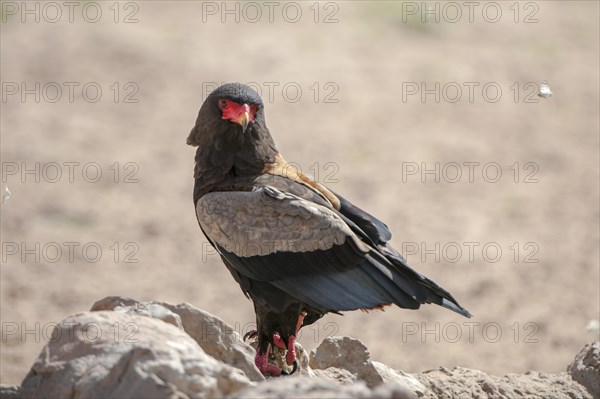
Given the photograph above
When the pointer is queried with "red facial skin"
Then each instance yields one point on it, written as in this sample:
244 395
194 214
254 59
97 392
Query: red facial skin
235 112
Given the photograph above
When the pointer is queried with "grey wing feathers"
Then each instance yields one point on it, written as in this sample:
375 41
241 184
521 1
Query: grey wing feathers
267 220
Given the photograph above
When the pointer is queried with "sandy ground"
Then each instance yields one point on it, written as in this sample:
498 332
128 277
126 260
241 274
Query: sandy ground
531 301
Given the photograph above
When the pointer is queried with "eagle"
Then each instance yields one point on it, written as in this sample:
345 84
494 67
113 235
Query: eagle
297 249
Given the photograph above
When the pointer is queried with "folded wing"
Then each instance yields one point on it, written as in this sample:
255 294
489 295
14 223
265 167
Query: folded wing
332 260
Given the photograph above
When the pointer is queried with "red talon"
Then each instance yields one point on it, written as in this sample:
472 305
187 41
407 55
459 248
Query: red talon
278 341
250 335
290 356
263 365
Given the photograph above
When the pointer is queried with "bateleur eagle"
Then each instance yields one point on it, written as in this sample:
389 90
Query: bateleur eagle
296 248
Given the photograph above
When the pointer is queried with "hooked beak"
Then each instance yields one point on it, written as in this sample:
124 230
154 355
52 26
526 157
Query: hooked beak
244 121
243 118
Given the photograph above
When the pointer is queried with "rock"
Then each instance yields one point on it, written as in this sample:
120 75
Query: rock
304 387
405 383
342 376
340 352
130 349
149 309
10 392
395 391
303 359
585 369
216 337
352 355
125 355
314 387
465 383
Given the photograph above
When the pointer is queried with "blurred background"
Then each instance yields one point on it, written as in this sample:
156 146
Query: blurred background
426 114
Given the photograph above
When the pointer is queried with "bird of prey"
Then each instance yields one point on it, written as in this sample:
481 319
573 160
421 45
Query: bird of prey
297 249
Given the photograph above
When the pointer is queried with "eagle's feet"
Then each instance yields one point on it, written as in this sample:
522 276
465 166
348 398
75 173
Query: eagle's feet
290 356
262 363
262 360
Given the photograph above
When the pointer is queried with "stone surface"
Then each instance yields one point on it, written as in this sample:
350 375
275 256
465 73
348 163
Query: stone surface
465 383
340 352
125 355
216 337
585 369
352 355
131 349
342 376
405 382
306 388
10 392
315 388
131 306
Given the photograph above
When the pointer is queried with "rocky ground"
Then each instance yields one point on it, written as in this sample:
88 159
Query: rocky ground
351 130
128 349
